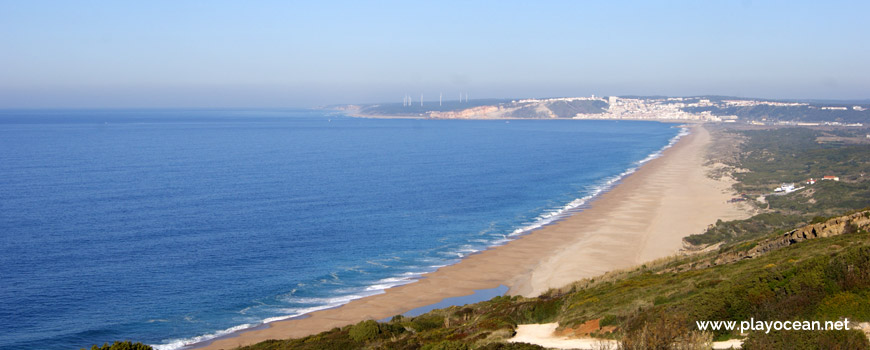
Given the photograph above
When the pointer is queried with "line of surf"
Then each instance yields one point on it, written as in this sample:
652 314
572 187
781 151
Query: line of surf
549 216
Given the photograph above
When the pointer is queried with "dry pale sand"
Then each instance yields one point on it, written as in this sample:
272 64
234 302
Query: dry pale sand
544 335
642 218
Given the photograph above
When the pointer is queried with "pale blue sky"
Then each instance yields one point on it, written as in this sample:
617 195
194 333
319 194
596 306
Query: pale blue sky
286 53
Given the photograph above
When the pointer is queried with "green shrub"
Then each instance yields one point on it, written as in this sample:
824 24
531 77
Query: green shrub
364 331
808 340
446 345
426 322
496 323
608 320
391 329
541 311
844 304
124 345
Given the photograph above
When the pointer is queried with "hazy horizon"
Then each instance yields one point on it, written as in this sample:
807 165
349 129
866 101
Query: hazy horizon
101 54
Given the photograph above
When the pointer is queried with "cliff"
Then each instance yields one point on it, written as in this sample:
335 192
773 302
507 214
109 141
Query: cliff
832 227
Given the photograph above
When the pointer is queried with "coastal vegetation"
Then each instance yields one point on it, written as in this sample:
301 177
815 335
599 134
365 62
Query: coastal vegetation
568 109
655 306
122 345
767 158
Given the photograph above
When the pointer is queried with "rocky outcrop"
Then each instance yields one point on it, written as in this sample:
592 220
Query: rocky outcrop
480 112
587 329
833 227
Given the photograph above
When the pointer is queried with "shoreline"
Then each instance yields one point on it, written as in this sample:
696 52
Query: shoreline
642 219
556 254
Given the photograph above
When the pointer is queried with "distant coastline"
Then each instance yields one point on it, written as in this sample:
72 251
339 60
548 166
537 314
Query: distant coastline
715 109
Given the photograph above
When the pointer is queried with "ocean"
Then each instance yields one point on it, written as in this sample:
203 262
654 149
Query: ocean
170 226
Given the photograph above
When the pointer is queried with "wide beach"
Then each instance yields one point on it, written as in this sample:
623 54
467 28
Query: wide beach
643 218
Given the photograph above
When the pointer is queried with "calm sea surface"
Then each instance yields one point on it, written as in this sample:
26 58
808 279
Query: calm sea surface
169 226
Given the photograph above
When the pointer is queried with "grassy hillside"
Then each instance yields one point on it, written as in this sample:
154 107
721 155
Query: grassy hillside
767 158
569 109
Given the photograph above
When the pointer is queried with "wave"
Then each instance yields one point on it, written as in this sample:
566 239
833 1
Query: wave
288 313
548 217
553 215
180 343
390 282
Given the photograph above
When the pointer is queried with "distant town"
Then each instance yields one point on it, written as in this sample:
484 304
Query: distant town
680 108
715 109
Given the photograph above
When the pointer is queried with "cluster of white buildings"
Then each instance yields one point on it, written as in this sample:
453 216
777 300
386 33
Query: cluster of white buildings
670 108
751 103
843 108
558 99
781 122
787 188
655 109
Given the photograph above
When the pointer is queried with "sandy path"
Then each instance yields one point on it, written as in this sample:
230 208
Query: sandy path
643 218
543 335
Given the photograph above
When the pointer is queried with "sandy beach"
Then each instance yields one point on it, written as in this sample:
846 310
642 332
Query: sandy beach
643 218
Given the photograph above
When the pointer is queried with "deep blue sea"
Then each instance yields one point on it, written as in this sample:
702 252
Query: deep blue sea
170 226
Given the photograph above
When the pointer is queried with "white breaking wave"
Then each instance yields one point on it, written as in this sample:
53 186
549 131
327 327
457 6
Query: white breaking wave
328 300
180 343
390 283
553 215
325 303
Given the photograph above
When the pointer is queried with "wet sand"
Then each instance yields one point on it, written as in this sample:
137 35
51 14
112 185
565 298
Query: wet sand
643 218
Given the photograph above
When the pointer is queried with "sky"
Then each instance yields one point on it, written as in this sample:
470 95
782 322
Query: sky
177 53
